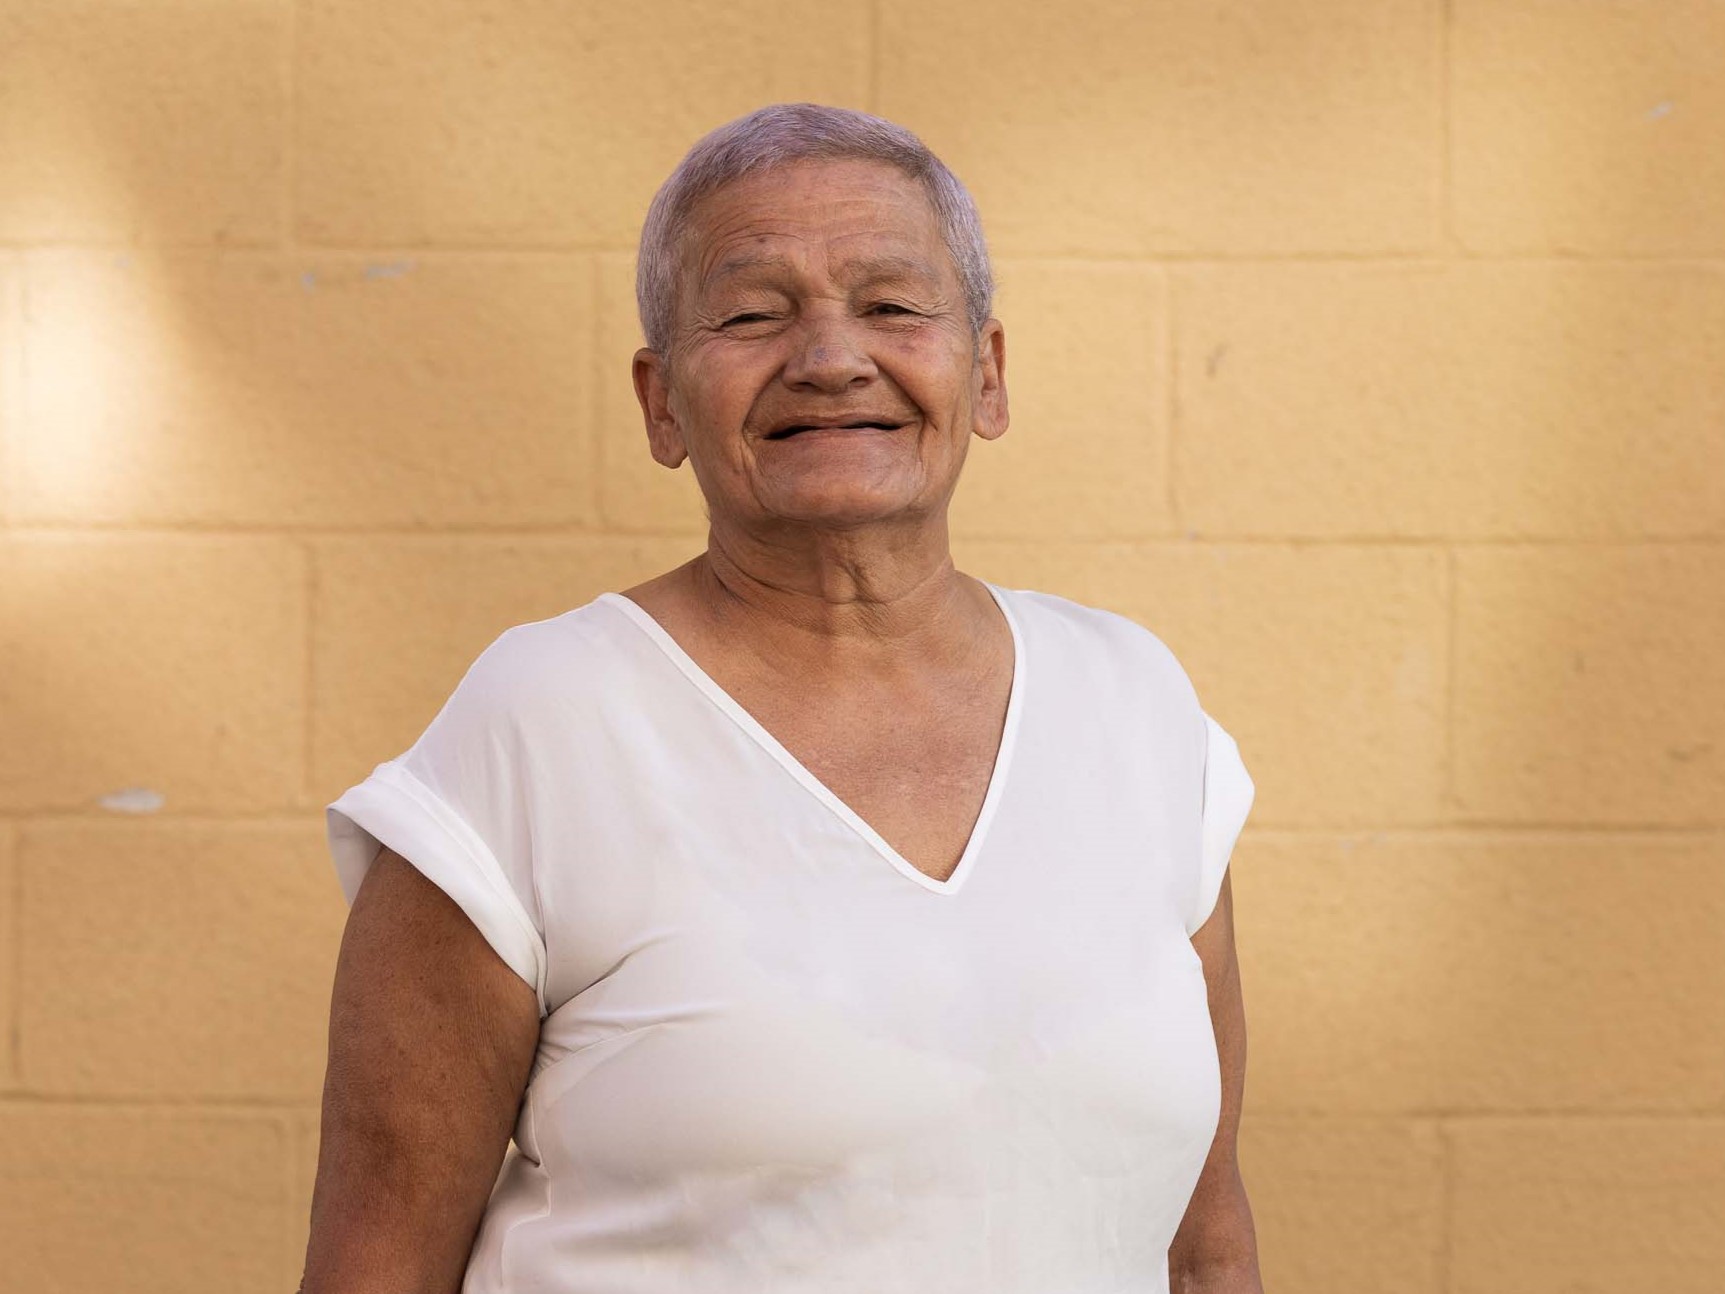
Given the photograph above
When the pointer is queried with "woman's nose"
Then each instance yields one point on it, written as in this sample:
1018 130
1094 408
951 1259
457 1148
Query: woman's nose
829 353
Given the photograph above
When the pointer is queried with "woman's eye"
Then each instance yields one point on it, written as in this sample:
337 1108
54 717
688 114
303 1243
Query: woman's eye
754 315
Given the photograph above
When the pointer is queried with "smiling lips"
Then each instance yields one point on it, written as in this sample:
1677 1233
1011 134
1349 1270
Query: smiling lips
785 430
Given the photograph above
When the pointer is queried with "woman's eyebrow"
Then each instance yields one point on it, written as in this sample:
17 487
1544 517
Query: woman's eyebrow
910 268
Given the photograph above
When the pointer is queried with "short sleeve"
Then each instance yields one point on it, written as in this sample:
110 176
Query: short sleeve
454 805
1228 793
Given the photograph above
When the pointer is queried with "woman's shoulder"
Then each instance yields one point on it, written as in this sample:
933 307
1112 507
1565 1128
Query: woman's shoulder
1090 638
591 625
568 652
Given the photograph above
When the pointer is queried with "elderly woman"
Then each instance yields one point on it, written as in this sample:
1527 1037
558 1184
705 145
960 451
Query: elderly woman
814 916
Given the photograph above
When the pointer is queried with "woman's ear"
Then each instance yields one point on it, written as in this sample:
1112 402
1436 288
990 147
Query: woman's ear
664 436
991 411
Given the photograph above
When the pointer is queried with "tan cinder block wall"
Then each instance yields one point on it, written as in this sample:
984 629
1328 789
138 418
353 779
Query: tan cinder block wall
1372 352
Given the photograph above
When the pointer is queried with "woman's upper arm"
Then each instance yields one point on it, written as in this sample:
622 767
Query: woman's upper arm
1217 1233
431 1041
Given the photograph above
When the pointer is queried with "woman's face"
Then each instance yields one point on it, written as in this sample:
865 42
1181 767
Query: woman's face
821 292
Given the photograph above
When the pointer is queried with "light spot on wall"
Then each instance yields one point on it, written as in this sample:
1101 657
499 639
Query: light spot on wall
134 799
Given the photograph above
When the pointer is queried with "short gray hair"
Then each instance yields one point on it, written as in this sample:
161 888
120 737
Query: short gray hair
789 132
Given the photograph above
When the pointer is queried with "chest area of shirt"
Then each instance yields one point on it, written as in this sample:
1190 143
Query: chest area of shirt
679 825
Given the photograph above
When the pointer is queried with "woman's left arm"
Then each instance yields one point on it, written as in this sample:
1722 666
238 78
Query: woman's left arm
1215 1251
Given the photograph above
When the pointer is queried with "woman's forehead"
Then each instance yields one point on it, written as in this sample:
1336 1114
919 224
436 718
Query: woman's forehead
877 225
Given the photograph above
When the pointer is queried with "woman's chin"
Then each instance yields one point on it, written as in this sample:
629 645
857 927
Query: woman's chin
843 505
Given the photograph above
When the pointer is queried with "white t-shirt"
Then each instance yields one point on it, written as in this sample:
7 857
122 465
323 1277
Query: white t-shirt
774 1056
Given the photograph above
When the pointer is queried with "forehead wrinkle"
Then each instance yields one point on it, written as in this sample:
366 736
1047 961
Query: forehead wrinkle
865 269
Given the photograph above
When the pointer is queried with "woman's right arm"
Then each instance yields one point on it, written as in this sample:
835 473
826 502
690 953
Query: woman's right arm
431 1040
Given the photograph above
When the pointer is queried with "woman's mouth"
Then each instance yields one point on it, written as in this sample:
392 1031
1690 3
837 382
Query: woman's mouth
798 429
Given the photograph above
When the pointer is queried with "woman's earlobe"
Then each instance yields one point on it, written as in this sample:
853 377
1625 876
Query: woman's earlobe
667 451
665 438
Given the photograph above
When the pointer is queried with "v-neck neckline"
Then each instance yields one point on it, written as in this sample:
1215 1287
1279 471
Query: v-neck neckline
708 686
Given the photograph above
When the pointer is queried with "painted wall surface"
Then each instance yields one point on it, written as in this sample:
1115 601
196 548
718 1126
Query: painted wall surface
1372 352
